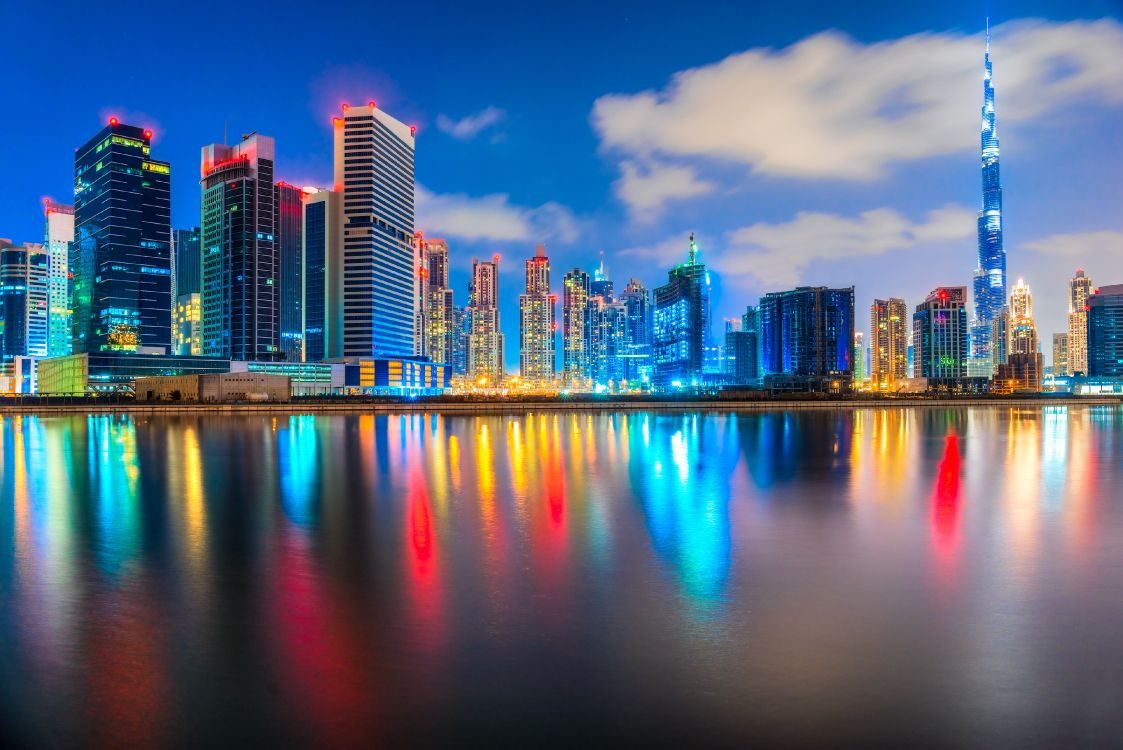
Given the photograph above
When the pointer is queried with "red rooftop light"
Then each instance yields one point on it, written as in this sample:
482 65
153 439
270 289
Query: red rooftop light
372 104
148 134
346 106
413 130
112 120
337 120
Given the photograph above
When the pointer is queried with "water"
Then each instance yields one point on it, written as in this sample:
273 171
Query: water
928 577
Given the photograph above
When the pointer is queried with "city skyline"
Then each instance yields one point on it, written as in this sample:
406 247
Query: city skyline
767 218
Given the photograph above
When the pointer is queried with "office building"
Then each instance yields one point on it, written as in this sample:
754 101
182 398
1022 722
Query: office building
680 323
187 261
999 338
1079 290
637 333
323 274
575 330
807 338
374 170
1060 355
940 337
485 337
859 357
189 325
1105 332
440 331
58 240
24 312
121 264
459 340
607 325
889 343
537 322
288 221
237 239
990 273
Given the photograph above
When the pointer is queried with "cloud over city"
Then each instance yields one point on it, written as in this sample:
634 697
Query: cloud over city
493 217
468 127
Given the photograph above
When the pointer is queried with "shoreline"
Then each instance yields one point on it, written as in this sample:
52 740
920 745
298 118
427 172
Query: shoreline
517 407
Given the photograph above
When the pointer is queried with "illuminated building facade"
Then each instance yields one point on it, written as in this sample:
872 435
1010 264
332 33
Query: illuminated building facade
189 324
459 340
859 357
121 263
58 240
24 312
607 326
322 259
188 263
288 221
1079 290
538 322
440 331
636 300
485 339
940 336
374 156
239 248
680 323
575 334
1060 355
889 342
1105 332
990 274
807 338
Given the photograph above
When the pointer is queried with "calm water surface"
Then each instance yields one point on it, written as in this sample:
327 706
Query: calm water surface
924 576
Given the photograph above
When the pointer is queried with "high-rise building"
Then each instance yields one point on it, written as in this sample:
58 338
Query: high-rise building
288 221
58 240
24 312
440 330
374 170
1060 355
607 324
1021 366
485 337
681 322
889 342
575 329
1079 290
990 274
859 357
537 322
1022 331
741 350
807 337
939 341
999 339
1105 332
459 340
237 239
637 332
323 274
121 290
189 324
187 261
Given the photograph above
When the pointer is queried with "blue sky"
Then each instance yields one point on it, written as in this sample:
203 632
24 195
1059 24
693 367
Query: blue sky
811 143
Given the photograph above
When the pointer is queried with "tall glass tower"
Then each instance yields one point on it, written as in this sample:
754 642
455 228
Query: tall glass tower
990 275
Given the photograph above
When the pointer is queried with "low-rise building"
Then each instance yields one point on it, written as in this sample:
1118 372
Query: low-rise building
89 374
215 388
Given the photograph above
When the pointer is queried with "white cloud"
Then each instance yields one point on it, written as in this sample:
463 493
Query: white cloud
467 128
1083 246
831 107
493 217
645 185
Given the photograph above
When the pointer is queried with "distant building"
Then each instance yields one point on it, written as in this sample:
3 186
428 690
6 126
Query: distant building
537 322
459 340
999 339
238 243
374 158
681 321
575 329
187 261
440 331
189 325
322 258
940 337
889 343
58 241
1105 332
1079 290
607 325
288 221
24 311
121 290
485 337
741 357
807 338
859 357
637 332
1060 355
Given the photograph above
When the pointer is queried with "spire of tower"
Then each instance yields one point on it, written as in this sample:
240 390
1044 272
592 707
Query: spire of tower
693 250
988 35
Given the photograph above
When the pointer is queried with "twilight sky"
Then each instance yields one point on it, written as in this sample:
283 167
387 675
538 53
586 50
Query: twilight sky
804 143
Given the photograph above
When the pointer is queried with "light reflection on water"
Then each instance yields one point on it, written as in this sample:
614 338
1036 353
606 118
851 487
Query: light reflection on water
930 576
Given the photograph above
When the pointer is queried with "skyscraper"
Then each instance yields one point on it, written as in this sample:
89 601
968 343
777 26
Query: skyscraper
1021 367
374 170
1060 355
288 220
459 340
24 313
859 357
889 343
637 332
990 275
607 324
537 322
807 338
237 239
1105 332
58 239
323 274
121 290
188 264
1079 290
939 328
439 318
575 329
681 322
485 339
